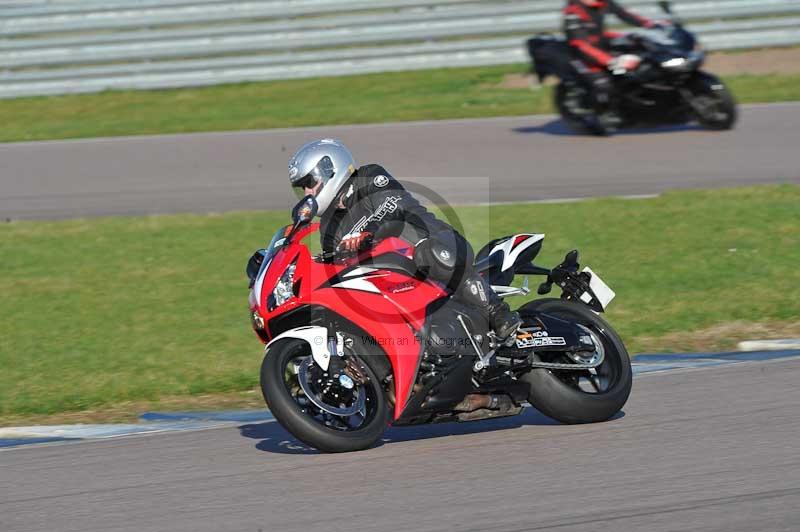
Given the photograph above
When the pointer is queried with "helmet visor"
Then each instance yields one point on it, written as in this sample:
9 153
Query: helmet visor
299 187
321 173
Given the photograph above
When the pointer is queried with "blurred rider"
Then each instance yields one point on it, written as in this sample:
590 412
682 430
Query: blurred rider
359 205
584 27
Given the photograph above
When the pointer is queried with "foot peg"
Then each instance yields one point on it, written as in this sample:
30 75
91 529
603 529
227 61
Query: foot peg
483 358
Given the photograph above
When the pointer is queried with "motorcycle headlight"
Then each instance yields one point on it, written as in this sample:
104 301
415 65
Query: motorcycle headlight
675 63
284 288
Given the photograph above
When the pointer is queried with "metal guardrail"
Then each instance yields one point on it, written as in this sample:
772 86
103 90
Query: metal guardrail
195 13
69 46
530 12
227 10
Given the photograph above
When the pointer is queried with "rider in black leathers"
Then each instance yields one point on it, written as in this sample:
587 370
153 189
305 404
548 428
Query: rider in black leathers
359 206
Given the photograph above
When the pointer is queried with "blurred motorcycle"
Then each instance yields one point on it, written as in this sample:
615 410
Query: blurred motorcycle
668 87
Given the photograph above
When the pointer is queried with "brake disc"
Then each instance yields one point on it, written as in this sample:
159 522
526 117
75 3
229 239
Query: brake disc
313 396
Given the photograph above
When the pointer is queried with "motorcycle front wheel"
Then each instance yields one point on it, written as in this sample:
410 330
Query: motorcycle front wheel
585 396
712 101
338 410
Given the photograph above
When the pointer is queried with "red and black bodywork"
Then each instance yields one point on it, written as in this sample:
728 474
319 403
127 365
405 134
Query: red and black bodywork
379 301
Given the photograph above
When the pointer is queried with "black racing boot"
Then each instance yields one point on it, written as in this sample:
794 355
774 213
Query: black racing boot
477 292
505 322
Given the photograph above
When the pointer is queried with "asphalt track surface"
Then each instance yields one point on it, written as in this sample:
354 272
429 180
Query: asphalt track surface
488 160
713 449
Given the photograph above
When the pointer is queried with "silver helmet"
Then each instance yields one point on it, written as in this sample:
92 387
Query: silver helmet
325 161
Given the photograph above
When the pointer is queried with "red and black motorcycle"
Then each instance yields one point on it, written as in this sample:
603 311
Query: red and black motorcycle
355 343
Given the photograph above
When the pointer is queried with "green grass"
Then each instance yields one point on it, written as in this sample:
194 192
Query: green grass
421 95
102 311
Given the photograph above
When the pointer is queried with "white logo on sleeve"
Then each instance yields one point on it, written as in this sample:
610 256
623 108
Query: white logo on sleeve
380 181
387 207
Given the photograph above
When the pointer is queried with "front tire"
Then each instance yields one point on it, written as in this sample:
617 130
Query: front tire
286 362
563 394
713 103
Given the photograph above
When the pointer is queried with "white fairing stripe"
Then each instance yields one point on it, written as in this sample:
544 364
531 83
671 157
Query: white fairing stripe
361 270
360 283
316 337
509 256
260 282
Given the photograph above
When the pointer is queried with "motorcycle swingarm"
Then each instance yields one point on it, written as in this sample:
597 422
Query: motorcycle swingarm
552 334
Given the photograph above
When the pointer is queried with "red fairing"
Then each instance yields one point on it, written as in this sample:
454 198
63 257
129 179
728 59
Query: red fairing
387 304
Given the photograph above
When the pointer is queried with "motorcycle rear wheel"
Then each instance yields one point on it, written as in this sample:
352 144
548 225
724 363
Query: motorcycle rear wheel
363 408
580 396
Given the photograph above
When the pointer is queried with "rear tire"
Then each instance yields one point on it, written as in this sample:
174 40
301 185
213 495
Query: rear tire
556 394
300 419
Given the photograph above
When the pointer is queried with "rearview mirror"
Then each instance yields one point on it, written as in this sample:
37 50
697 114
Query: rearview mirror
304 212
